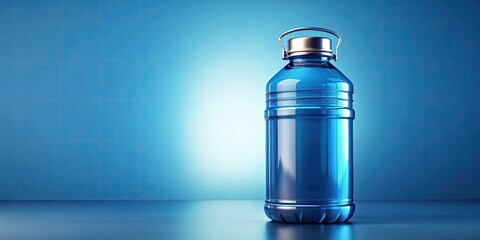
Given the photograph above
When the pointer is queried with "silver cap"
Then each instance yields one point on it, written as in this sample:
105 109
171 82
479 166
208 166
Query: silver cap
319 46
310 46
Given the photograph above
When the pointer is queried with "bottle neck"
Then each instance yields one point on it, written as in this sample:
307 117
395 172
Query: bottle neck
309 61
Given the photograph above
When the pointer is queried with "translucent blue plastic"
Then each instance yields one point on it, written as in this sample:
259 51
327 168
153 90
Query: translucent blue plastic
309 143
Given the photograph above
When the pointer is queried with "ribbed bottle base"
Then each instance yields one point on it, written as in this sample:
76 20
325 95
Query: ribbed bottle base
309 213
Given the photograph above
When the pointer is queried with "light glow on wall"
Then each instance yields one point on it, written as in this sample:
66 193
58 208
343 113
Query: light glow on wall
225 128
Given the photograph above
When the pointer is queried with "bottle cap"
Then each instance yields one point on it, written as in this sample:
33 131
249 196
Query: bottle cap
316 46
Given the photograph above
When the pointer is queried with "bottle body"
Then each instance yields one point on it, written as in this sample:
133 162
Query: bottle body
309 131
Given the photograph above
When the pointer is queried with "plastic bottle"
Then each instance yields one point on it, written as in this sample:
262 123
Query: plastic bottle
309 120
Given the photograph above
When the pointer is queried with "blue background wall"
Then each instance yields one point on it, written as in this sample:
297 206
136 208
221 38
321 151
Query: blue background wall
165 99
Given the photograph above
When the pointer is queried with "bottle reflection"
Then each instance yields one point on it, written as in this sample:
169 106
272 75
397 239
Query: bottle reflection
282 231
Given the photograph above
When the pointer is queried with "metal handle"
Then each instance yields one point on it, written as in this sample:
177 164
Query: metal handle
284 53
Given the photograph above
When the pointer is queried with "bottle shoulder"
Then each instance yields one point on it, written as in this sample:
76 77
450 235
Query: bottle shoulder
295 78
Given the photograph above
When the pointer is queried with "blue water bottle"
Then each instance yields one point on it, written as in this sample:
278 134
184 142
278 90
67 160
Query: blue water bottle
309 119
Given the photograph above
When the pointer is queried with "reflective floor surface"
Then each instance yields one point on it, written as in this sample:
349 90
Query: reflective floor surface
230 220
